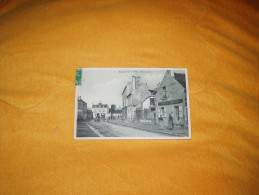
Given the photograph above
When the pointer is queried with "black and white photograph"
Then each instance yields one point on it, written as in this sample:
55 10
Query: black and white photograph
132 103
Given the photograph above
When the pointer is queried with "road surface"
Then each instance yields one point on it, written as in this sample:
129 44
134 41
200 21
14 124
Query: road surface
84 130
104 129
112 130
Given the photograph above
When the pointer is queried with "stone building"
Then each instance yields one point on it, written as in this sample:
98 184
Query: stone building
101 110
171 99
147 107
135 98
81 109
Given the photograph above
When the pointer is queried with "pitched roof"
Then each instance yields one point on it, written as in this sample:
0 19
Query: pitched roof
100 105
82 101
180 78
127 88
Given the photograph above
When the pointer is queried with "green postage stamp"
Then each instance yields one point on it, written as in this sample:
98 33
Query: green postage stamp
78 76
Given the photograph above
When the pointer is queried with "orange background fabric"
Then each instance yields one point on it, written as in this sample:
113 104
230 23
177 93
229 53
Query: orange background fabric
43 42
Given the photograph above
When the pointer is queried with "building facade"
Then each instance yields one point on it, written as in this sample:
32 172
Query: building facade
171 99
81 109
147 107
136 97
100 110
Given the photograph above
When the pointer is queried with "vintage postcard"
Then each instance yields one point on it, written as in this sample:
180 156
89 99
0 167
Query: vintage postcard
132 103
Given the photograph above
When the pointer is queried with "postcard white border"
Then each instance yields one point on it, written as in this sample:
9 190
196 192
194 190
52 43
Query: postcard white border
137 138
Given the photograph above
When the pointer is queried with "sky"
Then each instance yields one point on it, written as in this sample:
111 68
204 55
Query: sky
106 84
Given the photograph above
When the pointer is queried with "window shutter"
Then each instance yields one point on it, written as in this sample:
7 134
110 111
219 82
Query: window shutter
180 111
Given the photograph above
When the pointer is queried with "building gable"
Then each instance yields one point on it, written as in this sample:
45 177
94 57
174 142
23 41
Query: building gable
140 94
169 89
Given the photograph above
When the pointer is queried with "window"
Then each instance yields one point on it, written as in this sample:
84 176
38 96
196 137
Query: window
164 92
162 112
152 101
176 112
180 112
152 104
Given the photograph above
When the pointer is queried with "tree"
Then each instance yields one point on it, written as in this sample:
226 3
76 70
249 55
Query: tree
113 109
89 114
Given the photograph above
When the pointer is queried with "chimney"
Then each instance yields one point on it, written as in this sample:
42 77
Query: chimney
133 82
138 80
171 73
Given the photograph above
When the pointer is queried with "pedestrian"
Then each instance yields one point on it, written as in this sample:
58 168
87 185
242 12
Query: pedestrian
170 122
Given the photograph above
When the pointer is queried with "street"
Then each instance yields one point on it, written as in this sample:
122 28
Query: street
84 130
104 129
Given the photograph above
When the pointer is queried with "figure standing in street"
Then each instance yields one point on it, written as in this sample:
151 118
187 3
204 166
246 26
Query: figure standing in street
170 122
